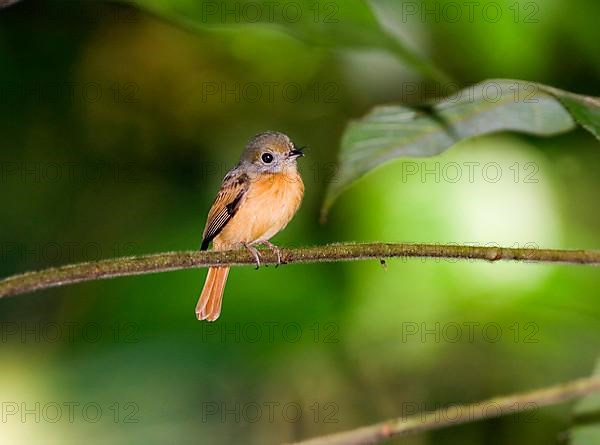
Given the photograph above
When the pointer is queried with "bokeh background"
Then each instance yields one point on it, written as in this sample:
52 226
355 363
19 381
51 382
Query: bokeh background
116 129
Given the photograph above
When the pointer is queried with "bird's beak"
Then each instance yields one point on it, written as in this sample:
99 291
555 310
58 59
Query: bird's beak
295 153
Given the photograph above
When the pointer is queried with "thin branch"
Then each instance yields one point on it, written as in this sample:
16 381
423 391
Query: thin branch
460 414
162 262
6 3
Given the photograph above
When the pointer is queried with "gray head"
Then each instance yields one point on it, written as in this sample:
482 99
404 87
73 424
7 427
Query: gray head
270 152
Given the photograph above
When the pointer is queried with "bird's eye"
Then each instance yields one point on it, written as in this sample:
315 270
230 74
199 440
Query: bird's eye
267 158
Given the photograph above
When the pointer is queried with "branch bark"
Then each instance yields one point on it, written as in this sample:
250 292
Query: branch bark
162 262
6 3
460 414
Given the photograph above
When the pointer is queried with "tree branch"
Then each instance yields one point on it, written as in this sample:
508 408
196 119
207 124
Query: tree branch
5 3
459 414
162 262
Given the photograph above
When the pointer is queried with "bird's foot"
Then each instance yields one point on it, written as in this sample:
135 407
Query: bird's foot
254 252
275 249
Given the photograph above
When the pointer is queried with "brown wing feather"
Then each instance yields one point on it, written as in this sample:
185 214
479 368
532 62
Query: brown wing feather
225 206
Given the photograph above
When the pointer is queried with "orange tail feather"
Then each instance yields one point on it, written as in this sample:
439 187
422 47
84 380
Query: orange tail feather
209 304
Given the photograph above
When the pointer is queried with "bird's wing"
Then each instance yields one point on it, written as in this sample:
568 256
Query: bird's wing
226 204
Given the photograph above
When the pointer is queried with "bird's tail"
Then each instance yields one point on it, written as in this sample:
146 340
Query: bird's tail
209 304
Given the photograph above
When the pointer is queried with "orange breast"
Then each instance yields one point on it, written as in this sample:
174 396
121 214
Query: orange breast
270 203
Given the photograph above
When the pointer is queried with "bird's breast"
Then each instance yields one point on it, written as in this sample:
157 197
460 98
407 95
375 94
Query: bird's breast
268 206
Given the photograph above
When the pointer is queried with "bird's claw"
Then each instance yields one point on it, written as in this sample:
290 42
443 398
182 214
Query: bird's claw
275 249
254 252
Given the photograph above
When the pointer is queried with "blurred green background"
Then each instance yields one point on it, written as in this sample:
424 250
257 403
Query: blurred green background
116 129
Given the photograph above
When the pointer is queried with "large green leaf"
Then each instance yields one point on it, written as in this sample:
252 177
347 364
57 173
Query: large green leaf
395 131
585 109
586 427
341 23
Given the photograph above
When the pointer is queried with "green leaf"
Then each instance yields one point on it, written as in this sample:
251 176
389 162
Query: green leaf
395 131
347 23
586 427
585 109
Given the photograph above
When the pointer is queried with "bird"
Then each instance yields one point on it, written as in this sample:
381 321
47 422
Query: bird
257 199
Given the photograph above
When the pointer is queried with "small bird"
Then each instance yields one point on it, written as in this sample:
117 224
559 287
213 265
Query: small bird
257 199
